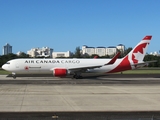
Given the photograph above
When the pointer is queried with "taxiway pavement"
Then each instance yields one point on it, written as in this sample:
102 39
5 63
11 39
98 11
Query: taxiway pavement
66 94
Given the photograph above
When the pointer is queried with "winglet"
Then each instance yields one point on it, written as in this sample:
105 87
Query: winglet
95 57
112 61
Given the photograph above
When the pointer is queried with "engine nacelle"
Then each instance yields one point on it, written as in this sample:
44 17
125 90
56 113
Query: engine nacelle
60 72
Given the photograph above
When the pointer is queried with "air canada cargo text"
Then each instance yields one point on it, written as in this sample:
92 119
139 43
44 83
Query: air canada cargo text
53 61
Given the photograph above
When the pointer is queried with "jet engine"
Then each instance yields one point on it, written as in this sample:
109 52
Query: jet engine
60 72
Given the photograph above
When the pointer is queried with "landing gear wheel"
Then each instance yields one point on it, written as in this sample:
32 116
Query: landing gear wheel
14 75
77 76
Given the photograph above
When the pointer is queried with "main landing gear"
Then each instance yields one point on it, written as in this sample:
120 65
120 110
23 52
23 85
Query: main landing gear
77 76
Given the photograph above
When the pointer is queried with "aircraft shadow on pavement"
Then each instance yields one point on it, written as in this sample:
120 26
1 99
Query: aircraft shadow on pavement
92 76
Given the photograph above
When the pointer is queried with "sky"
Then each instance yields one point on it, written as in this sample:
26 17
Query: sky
66 24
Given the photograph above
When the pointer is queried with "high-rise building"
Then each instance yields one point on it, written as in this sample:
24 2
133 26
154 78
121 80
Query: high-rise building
7 49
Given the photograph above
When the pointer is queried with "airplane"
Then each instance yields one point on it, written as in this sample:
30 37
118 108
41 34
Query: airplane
75 67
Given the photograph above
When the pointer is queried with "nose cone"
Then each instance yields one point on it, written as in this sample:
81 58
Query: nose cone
4 67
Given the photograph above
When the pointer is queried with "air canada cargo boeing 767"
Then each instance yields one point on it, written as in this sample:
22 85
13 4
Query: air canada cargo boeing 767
64 67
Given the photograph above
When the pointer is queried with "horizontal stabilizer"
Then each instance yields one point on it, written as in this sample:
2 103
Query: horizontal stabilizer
144 63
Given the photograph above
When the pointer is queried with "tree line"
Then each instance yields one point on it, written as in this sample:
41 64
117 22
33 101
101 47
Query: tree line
77 54
5 58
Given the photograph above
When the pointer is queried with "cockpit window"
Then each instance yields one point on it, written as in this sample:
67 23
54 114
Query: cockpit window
8 63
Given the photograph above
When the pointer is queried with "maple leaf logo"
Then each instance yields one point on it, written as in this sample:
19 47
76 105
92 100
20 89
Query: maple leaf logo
140 48
134 59
138 52
26 68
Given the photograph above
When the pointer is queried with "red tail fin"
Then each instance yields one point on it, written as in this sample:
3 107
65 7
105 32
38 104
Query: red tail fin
134 57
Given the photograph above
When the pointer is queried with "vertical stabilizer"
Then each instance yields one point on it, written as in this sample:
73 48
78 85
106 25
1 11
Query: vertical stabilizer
139 51
135 56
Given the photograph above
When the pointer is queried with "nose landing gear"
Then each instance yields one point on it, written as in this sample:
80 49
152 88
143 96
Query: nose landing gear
14 75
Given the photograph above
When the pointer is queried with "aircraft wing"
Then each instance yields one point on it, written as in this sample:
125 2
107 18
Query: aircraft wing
83 68
112 61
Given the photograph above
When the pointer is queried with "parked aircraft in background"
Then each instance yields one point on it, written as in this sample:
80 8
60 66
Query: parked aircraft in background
64 67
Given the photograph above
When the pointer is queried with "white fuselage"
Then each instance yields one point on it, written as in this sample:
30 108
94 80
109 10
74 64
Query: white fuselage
46 66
